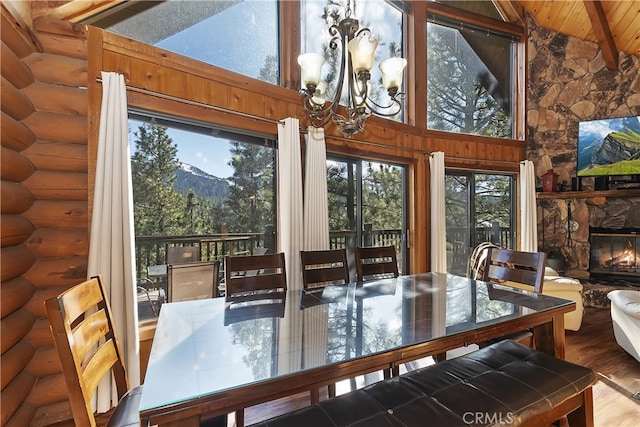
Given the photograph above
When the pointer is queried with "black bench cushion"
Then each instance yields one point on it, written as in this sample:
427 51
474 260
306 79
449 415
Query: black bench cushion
505 383
126 413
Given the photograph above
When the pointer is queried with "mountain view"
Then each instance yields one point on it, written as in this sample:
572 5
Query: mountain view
609 147
203 184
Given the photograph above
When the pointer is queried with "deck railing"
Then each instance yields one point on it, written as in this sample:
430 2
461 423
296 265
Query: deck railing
152 250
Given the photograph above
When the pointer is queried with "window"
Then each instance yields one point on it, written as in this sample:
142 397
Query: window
367 205
469 79
385 22
197 186
479 208
238 36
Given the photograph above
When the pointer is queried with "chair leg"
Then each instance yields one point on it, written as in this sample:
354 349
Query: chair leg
583 416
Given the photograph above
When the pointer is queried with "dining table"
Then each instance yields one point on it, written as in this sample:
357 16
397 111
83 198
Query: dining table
216 356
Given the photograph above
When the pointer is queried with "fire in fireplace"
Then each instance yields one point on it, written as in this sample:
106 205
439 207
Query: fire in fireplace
615 251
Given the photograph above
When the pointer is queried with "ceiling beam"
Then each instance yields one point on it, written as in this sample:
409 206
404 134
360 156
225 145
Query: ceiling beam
603 33
511 11
75 10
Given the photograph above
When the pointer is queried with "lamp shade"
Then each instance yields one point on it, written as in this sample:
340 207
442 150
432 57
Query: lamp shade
362 50
392 72
311 67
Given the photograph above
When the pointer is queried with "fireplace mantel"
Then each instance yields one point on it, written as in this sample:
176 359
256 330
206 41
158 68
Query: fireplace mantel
588 194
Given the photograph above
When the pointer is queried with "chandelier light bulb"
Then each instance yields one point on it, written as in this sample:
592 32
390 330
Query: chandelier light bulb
311 67
320 95
392 72
362 49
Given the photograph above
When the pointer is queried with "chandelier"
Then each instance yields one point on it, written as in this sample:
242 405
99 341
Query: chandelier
358 48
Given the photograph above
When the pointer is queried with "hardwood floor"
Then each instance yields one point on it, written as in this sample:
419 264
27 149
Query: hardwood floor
593 345
619 374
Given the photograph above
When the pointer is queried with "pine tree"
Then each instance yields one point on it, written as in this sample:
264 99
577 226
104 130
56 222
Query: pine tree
457 98
251 191
157 206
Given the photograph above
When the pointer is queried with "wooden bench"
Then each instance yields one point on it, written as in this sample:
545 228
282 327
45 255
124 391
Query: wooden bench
502 384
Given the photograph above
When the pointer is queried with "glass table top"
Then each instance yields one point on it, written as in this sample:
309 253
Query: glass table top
203 347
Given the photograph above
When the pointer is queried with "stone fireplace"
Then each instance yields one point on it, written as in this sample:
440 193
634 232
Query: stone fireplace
614 252
568 226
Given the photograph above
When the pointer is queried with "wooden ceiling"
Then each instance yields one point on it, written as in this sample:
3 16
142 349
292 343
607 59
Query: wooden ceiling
613 24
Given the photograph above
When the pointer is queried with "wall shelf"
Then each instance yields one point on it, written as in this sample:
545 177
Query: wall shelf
588 194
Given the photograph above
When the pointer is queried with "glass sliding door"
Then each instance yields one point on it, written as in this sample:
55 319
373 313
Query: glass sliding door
367 205
480 207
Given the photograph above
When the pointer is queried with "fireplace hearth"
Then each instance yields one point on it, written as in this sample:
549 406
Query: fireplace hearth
615 252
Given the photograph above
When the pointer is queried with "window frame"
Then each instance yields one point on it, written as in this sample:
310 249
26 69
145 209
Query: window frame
201 127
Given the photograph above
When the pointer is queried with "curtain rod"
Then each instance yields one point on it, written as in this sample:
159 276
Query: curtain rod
276 122
197 104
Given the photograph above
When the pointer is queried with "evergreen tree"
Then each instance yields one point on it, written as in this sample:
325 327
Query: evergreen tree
382 196
157 206
251 192
457 99
493 200
340 198
270 71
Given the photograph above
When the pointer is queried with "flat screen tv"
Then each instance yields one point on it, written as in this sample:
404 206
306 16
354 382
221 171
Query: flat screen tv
609 147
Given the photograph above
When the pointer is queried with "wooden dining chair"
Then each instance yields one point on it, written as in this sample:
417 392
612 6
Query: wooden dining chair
322 268
84 335
254 273
376 262
193 280
524 270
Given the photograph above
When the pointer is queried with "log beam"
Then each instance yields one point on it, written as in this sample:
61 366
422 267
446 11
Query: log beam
13 69
16 229
14 166
13 101
603 33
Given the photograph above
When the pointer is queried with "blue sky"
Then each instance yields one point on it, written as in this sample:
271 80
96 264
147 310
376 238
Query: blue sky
204 152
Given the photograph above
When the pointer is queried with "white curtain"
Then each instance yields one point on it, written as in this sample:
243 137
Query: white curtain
316 237
316 211
290 225
111 247
528 209
438 224
290 237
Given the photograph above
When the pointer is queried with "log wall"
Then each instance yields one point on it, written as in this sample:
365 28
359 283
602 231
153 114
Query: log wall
50 112
44 231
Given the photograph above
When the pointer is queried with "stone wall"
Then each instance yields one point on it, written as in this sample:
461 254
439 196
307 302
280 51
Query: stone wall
568 82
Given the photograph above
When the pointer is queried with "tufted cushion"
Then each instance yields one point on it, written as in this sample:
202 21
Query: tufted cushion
505 383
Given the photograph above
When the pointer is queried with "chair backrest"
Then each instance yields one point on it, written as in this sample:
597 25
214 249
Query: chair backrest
88 348
524 269
254 273
376 262
182 254
193 280
321 268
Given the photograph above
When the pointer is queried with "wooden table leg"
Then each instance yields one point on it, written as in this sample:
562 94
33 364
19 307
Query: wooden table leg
549 337
240 418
